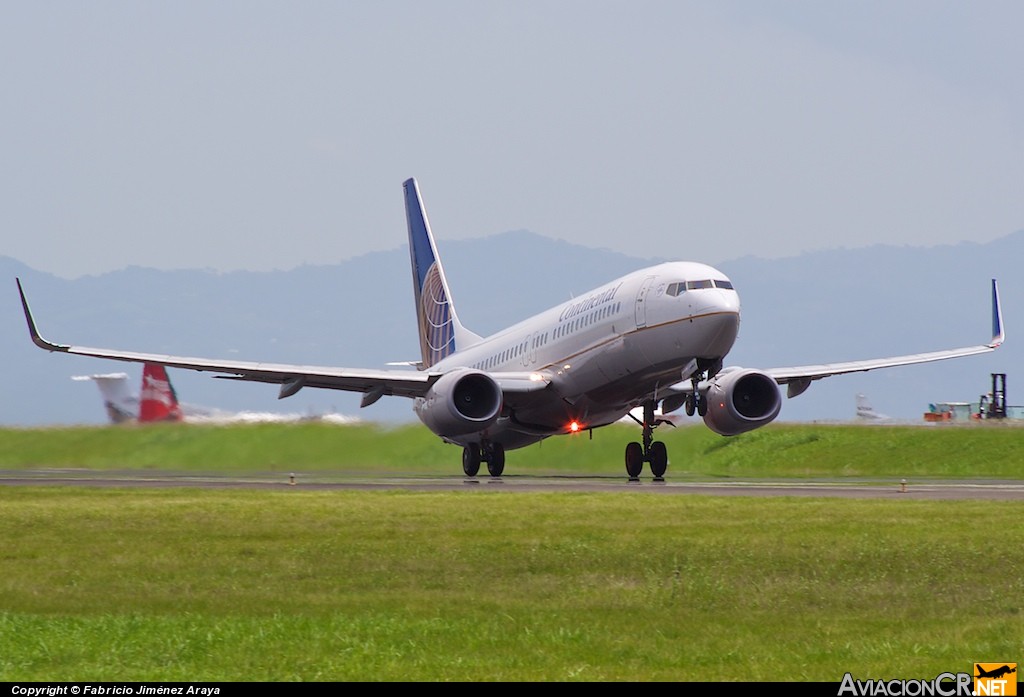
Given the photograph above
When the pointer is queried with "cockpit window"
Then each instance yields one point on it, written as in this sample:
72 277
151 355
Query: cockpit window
677 289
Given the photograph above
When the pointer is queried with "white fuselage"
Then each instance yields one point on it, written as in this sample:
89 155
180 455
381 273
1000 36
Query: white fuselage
609 350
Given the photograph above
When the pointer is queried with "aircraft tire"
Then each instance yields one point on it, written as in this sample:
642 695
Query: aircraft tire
634 459
496 465
690 404
659 459
471 459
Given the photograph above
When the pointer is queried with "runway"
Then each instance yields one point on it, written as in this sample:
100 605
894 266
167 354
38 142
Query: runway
520 483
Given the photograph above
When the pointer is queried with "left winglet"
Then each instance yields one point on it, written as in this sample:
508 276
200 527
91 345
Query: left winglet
32 331
998 333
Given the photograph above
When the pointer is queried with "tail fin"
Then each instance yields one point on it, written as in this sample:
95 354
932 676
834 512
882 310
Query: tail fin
157 401
119 402
441 333
867 412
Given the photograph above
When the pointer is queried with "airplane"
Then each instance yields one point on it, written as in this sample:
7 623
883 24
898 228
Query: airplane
866 412
655 337
158 401
121 405
995 672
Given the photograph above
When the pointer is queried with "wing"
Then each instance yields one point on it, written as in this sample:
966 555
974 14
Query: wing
798 379
373 383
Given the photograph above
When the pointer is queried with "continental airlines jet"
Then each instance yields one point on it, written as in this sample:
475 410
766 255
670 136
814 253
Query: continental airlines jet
657 337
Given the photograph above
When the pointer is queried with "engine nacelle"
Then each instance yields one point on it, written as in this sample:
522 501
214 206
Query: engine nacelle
741 400
461 402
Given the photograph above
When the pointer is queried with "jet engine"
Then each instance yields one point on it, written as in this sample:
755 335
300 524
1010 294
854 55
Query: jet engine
740 400
460 402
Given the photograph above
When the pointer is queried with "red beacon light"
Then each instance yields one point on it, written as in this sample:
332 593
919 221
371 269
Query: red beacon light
575 427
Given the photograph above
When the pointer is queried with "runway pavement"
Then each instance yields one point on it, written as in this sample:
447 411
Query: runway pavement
518 483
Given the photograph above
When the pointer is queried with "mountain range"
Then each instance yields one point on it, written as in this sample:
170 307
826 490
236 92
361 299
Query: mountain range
823 306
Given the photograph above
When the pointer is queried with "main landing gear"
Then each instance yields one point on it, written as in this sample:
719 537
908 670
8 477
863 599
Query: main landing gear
491 453
651 451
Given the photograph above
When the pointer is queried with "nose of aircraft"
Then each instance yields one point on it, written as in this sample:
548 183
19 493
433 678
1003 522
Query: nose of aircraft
725 307
721 309
716 300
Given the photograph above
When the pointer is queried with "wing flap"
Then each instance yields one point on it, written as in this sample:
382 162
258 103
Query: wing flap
824 370
404 383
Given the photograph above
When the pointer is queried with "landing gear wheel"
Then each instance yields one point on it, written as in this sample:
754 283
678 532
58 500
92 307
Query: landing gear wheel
496 463
471 459
702 406
659 459
634 460
691 404
650 450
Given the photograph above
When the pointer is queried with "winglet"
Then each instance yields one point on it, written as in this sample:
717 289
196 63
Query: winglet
32 331
998 334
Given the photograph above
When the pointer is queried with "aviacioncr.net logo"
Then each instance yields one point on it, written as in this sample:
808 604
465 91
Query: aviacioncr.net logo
943 685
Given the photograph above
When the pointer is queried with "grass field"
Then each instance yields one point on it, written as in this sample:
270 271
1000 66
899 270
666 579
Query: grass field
780 450
480 585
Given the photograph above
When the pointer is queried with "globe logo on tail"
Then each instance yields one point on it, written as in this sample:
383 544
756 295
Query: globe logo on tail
437 330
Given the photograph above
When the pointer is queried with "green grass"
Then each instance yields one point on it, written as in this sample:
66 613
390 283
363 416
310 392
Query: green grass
483 584
187 584
779 450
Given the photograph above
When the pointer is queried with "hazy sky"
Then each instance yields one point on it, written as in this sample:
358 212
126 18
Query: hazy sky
253 135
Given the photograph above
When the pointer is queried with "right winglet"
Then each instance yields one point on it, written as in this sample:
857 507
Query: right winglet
32 331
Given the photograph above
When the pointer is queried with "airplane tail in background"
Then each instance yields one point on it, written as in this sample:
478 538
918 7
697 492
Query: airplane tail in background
157 400
866 412
440 331
118 400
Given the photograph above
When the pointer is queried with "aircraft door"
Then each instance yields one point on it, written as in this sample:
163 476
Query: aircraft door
531 350
641 302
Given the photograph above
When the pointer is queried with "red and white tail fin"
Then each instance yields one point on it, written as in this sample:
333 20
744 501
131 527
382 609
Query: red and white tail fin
157 401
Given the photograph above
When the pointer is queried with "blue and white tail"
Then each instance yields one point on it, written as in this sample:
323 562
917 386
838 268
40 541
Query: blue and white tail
441 333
